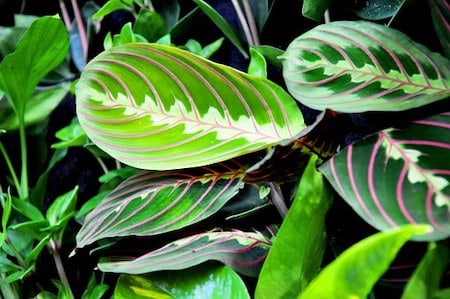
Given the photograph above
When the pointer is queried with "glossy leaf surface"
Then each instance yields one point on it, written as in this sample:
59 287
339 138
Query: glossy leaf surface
242 251
158 107
151 203
377 9
398 176
296 254
206 281
358 66
354 273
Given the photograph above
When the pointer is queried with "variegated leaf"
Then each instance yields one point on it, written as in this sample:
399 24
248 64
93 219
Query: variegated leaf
398 176
358 66
242 251
152 202
158 107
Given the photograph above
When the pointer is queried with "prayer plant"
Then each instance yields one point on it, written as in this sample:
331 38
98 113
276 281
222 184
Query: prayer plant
224 180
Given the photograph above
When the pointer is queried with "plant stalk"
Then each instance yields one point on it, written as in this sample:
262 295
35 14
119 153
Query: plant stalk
11 169
278 199
54 249
81 28
243 22
251 22
24 157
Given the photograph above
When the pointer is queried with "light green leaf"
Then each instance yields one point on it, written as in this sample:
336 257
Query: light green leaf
206 281
70 136
296 254
109 7
258 65
354 273
159 107
42 48
271 54
38 108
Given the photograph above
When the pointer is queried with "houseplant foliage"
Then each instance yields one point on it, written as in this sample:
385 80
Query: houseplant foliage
195 149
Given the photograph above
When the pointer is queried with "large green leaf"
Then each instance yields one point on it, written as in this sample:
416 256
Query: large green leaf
206 281
296 254
242 251
151 203
354 273
376 9
357 66
41 49
398 176
159 107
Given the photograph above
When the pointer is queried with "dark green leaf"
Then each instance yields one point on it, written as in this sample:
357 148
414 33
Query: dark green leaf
94 290
315 9
441 16
354 273
223 25
296 254
150 25
377 9
170 11
398 176
359 66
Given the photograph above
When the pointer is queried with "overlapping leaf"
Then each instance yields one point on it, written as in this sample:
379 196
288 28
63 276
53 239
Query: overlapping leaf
399 176
160 108
242 251
151 203
358 66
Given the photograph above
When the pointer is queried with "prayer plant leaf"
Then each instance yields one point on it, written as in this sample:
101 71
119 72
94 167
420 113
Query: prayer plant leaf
358 66
398 176
377 9
242 251
159 107
354 273
151 203
205 281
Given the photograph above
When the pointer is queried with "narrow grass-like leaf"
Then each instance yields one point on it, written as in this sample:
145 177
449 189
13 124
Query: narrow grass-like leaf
160 108
441 21
223 25
242 251
151 203
296 254
205 281
398 176
354 273
358 66
427 277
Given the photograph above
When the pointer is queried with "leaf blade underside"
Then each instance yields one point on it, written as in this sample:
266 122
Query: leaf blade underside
152 202
242 251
